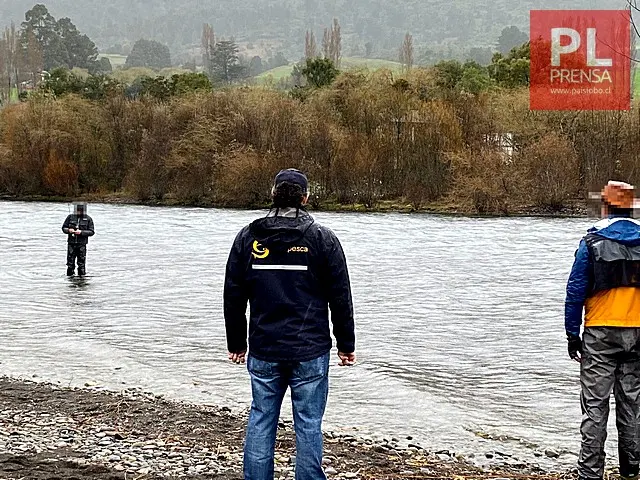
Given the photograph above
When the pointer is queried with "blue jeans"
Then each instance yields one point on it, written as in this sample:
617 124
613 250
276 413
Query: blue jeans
309 383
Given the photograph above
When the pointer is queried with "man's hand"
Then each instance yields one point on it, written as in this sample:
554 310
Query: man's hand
347 359
574 346
237 357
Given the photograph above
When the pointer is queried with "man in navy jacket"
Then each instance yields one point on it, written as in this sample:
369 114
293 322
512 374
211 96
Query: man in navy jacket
291 270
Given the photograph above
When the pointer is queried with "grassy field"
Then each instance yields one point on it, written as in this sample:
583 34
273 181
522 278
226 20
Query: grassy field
636 84
348 63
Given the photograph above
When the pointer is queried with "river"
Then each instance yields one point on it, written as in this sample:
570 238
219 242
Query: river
459 320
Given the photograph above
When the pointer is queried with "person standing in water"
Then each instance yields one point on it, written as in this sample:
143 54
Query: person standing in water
78 227
605 281
291 270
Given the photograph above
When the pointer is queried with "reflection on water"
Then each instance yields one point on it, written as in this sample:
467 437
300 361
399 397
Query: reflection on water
459 320
78 283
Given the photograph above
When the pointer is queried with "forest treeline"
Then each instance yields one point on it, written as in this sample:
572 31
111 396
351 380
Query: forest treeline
364 138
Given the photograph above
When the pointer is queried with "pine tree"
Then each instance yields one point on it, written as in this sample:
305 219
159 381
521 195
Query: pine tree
225 62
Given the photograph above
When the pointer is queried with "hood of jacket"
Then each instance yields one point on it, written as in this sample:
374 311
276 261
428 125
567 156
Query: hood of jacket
275 231
622 230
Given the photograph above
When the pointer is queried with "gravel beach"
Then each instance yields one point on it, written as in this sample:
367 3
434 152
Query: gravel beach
52 432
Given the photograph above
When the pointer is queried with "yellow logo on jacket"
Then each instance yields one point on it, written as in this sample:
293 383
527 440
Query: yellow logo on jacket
259 251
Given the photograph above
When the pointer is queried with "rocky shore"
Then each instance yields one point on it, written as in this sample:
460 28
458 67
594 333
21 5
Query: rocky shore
51 432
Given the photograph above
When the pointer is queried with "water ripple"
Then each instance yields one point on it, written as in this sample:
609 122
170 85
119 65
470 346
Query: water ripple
459 320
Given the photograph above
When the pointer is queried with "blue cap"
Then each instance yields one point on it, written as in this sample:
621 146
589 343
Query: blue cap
294 176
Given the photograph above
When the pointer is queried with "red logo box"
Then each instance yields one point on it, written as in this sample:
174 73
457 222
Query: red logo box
580 60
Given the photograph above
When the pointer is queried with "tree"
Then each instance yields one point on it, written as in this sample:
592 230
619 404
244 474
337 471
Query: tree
11 61
297 78
481 55
226 67
208 43
448 74
332 43
509 38
326 43
150 54
310 47
319 72
475 78
469 77
278 61
100 87
156 87
60 42
513 70
42 25
33 57
335 49
181 84
368 48
101 67
406 52
61 81
163 89
255 66
80 51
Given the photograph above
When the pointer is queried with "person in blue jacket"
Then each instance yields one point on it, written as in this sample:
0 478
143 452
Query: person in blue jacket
605 282
291 271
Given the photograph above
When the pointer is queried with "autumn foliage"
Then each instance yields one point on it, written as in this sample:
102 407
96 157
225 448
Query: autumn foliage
365 139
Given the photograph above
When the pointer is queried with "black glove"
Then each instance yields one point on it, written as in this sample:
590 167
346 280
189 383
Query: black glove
574 347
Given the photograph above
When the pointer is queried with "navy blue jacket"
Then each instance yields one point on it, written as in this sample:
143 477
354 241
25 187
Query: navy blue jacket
291 271
581 281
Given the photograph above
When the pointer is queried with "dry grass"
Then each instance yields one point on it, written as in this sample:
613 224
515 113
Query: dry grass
370 138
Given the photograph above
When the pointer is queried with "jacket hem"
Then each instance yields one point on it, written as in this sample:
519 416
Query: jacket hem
287 358
635 323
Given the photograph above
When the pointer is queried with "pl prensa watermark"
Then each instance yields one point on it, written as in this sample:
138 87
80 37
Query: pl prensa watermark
580 60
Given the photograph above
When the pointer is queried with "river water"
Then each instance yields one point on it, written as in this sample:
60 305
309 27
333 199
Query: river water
459 320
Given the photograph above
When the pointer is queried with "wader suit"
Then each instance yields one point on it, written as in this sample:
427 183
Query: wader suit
605 280
77 243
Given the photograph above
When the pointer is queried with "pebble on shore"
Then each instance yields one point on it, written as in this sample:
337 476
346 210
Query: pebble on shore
139 435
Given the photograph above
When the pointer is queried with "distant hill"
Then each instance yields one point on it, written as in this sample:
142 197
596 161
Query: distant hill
280 25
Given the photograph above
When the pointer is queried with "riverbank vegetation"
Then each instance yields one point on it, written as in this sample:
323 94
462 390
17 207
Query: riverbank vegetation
365 139
447 136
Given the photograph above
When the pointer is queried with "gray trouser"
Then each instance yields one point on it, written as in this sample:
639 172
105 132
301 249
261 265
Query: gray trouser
610 362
